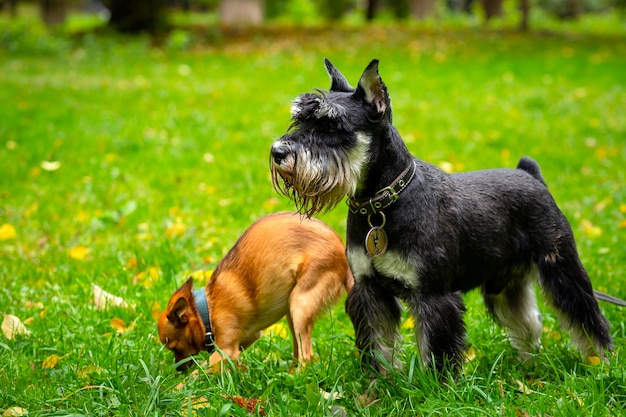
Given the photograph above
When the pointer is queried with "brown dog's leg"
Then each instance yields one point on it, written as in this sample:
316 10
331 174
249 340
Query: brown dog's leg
294 340
309 297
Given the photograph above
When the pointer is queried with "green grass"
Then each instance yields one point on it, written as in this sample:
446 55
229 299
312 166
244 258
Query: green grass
156 159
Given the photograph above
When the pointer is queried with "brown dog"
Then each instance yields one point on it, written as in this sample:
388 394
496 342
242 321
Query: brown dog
282 265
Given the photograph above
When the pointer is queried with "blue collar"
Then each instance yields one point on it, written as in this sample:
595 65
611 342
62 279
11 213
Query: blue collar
203 308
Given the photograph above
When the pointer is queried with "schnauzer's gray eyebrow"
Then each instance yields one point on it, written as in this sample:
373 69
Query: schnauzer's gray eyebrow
323 108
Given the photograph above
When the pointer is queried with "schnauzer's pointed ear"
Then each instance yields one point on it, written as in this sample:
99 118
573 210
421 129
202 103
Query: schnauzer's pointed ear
337 81
372 89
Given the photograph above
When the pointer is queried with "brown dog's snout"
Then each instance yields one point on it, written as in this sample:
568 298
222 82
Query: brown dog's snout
185 363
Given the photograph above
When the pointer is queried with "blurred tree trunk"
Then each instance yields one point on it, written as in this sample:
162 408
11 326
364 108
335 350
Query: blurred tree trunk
492 8
421 9
370 11
12 6
524 6
132 16
399 8
241 12
53 12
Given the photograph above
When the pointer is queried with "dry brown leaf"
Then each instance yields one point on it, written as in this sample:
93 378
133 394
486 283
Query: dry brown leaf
523 388
249 404
12 326
103 300
15 412
119 325
332 396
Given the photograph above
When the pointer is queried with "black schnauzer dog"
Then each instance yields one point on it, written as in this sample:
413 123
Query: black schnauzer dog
419 235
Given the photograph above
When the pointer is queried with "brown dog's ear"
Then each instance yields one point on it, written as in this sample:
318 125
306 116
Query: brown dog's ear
178 315
187 287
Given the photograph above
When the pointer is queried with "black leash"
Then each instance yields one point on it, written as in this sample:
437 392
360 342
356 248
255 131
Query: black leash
609 299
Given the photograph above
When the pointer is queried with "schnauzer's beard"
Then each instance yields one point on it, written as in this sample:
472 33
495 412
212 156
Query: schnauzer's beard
318 180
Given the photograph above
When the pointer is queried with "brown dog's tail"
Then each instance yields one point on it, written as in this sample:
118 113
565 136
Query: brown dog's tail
348 283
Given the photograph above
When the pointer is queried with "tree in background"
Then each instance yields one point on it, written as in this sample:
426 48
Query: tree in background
53 12
241 12
133 16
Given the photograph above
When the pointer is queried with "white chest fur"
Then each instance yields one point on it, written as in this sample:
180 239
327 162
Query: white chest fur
391 265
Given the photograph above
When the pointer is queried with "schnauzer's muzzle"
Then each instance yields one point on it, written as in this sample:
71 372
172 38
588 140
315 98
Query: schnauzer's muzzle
279 152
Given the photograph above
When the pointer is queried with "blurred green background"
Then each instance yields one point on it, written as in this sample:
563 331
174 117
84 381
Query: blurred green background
134 150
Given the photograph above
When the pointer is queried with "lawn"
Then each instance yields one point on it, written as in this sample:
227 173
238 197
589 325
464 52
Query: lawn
131 167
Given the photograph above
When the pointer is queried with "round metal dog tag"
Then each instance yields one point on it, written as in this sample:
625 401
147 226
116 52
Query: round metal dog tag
376 241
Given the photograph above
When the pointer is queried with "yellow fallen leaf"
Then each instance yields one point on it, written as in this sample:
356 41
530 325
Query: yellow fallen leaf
131 264
119 325
51 361
7 231
446 166
409 324
590 230
32 209
200 402
278 329
594 360
15 412
176 230
79 252
89 370
33 304
103 300
147 278
470 355
156 310
202 275
555 335
270 204
602 204
575 396
12 326
50 165
82 217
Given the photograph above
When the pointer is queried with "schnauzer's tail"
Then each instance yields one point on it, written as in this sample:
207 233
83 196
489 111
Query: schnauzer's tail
532 167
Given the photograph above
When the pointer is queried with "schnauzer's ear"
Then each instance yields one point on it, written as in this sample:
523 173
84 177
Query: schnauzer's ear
337 81
372 89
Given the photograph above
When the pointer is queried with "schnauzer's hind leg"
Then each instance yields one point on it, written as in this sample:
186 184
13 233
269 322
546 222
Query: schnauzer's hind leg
567 286
515 308
439 329
375 314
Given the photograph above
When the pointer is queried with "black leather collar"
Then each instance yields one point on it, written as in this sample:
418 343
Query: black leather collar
385 197
202 306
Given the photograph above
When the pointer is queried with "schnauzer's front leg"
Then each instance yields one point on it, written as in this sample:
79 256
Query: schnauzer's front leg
375 315
439 329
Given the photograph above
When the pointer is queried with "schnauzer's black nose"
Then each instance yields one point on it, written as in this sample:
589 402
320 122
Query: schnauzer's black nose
279 153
